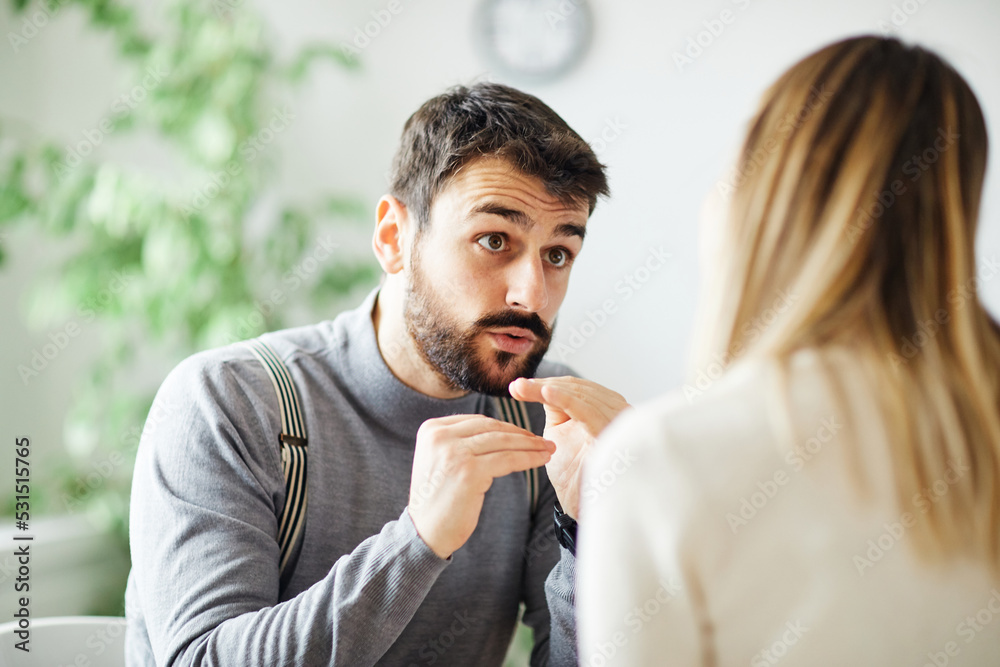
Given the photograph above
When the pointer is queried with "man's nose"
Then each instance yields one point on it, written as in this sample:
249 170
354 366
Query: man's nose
526 285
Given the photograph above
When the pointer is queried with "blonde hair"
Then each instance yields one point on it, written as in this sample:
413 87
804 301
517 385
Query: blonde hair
858 193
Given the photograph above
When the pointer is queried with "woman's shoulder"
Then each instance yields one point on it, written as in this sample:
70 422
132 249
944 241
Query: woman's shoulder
742 426
736 402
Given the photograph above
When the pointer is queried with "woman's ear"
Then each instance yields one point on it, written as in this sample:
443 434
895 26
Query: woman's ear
391 233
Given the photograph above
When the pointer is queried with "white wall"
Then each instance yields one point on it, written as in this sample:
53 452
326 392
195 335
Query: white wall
680 128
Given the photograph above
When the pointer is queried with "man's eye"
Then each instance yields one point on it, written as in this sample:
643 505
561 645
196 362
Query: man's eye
493 242
557 257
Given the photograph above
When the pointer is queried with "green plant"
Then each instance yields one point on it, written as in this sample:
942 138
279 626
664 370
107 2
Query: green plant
167 267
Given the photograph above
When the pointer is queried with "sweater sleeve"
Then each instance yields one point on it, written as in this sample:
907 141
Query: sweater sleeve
548 589
560 593
550 573
203 537
641 600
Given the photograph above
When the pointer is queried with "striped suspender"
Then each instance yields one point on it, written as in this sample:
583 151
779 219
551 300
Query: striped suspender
515 413
292 441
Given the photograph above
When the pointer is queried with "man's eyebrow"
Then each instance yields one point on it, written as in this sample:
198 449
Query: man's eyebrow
571 229
520 219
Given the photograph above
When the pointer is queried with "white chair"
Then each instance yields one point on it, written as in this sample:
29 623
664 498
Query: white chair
98 641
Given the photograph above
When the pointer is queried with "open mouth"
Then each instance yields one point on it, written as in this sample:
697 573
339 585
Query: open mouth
513 340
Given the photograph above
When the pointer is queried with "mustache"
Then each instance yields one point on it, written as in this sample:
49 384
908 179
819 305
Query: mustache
511 318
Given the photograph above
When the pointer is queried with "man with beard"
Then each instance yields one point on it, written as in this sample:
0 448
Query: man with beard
422 533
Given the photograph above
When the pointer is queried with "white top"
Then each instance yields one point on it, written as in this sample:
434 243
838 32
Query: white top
709 538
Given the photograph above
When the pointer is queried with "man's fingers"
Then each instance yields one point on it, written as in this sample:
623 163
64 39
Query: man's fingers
594 417
579 406
501 463
585 407
599 397
481 435
524 390
462 426
586 390
481 444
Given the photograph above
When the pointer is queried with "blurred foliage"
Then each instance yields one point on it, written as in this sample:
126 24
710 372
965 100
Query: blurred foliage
164 268
520 646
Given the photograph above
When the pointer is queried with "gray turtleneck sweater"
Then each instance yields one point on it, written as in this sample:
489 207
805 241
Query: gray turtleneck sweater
366 589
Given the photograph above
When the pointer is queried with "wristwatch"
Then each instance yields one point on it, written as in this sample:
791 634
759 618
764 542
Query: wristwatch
565 528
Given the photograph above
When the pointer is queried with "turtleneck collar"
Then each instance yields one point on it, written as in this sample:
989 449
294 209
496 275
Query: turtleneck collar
398 407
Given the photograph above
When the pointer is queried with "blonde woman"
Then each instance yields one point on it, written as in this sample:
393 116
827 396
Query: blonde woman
826 490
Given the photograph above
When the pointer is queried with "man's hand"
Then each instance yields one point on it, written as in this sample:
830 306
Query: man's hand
576 411
454 464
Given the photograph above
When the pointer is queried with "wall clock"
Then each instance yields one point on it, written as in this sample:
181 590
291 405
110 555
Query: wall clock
534 40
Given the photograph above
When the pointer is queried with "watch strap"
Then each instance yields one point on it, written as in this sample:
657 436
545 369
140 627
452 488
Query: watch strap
565 526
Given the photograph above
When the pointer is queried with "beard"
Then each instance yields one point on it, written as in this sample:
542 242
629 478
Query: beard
454 352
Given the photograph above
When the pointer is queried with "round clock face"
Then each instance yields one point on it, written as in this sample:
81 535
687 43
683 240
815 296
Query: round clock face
534 39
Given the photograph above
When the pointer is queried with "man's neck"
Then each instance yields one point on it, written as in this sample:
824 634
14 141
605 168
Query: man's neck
400 352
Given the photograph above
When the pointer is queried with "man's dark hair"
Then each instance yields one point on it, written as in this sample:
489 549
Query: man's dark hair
492 120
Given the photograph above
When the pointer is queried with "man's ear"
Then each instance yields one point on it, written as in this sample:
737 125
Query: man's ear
392 233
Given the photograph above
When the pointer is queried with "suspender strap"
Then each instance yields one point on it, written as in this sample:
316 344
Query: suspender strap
514 412
294 451
293 445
